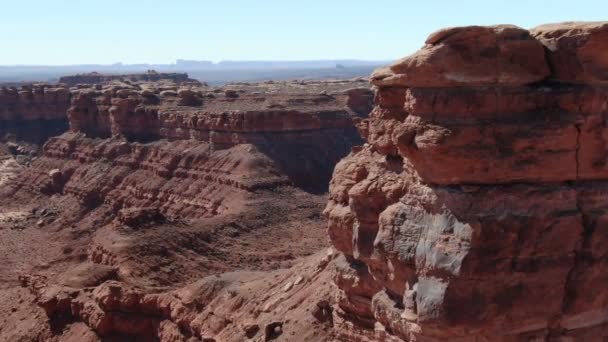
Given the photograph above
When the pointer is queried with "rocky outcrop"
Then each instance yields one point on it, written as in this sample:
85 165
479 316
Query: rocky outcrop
475 211
235 306
157 186
576 51
291 126
33 112
171 177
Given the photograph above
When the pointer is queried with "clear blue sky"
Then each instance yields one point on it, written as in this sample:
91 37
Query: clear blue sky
132 31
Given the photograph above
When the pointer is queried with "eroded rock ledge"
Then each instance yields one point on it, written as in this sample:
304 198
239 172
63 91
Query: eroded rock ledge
476 209
290 122
475 212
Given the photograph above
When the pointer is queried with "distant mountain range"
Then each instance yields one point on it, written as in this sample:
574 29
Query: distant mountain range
207 71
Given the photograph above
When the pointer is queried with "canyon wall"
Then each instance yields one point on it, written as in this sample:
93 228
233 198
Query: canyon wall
290 123
36 112
33 112
176 212
192 151
223 117
477 209
291 126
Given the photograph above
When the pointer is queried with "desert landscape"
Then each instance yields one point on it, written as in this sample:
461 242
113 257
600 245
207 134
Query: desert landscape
457 194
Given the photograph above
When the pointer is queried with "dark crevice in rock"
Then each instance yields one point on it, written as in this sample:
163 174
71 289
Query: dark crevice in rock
569 284
578 147
550 65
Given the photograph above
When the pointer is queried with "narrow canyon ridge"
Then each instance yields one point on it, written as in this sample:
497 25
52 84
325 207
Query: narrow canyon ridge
469 205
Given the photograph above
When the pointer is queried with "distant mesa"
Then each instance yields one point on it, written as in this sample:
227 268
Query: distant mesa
149 76
193 63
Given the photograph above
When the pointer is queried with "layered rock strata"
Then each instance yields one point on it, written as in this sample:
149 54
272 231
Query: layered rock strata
475 211
33 112
156 186
181 179
288 123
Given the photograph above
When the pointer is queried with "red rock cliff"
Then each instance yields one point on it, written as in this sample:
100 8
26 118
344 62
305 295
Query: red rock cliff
33 112
289 122
477 208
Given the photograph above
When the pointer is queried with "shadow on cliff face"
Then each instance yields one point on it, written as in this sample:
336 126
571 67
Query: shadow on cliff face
532 239
33 131
308 158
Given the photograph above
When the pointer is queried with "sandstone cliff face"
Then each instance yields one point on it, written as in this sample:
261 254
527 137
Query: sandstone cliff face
33 113
184 151
475 211
291 126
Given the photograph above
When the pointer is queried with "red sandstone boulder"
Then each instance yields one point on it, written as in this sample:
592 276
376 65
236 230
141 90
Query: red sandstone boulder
577 51
471 55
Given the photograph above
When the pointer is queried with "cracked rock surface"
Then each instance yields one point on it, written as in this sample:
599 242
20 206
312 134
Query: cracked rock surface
477 209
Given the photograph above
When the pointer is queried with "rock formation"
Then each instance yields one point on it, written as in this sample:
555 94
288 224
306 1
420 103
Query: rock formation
33 112
475 212
235 306
157 186
174 211
292 126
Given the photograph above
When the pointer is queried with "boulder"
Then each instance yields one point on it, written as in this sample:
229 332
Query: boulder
472 55
577 51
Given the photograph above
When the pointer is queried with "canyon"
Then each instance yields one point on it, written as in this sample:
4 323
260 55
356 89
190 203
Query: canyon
459 197
159 183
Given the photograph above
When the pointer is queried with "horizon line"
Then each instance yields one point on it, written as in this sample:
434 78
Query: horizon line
206 62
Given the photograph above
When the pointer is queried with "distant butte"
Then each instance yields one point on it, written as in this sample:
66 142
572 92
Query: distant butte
150 76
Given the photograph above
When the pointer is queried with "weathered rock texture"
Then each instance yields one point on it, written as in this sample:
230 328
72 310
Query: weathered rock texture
33 112
182 179
290 123
477 209
234 306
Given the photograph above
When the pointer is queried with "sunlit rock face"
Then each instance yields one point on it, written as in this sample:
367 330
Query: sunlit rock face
477 209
